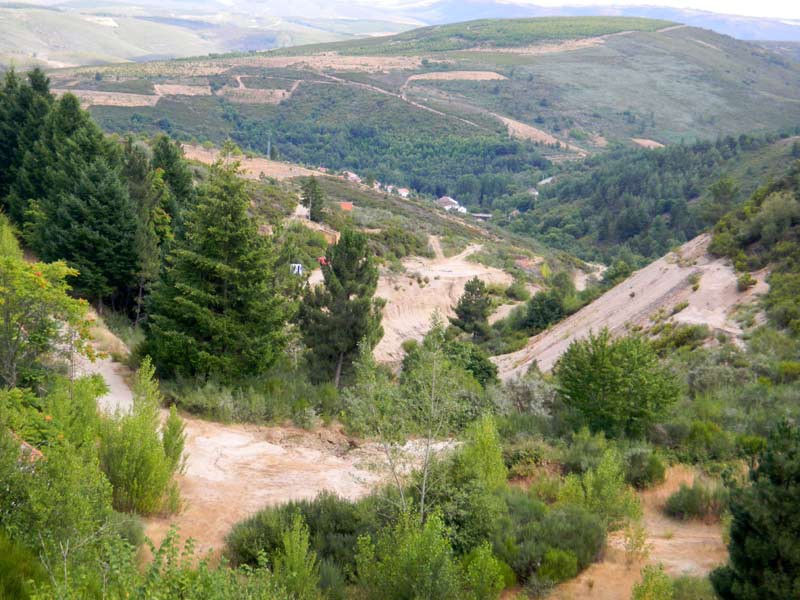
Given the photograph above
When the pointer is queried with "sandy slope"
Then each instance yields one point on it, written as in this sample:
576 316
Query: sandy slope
660 286
409 305
252 168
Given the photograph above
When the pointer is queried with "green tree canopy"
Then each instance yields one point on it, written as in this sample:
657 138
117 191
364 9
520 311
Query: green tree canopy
615 385
765 532
313 198
216 313
335 317
473 308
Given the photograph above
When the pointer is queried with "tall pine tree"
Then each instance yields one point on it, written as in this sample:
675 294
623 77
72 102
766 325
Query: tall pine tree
335 317
23 109
313 199
216 312
70 195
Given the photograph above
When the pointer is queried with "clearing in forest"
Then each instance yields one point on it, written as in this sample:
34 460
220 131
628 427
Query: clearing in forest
252 168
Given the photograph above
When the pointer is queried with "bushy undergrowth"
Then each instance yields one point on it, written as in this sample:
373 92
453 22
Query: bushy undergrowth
703 500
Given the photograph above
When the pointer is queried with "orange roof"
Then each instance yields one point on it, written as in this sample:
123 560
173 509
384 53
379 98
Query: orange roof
346 206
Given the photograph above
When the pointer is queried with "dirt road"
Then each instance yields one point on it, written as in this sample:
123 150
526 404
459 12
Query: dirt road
661 286
410 305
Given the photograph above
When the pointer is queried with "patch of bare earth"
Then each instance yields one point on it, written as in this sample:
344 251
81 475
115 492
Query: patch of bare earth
96 98
683 547
660 286
524 131
171 89
645 143
458 76
410 305
252 168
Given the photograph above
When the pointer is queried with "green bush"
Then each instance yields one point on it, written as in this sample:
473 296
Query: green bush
558 565
706 440
518 291
584 451
333 522
699 501
687 587
644 468
20 570
294 566
132 453
484 576
655 585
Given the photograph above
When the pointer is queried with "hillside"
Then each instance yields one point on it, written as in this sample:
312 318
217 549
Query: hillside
93 35
490 99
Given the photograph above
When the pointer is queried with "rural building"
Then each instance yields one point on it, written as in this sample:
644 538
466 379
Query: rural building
346 206
404 192
482 216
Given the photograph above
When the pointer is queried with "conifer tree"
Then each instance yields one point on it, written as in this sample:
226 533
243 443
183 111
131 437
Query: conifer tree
765 531
168 157
336 316
151 198
472 310
216 312
76 208
313 198
23 109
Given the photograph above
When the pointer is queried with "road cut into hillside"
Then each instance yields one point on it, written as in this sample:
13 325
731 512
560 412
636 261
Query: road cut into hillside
661 287
428 285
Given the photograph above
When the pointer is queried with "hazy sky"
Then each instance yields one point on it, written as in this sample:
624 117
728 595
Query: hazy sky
785 9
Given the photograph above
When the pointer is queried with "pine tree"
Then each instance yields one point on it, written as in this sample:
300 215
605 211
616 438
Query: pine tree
473 308
313 198
335 317
168 156
765 532
70 194
23 109
151 198
216 312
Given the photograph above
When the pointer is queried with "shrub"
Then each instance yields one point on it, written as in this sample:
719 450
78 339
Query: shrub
687 587
584 451
524 456
708 441
518 291
655 585
558 565
295 567
696 502
332 582
20 570
644 468
574 530
744 282
602 490
483 574
132 454
409 561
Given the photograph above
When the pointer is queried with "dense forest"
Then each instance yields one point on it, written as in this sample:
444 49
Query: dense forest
515 485
637 205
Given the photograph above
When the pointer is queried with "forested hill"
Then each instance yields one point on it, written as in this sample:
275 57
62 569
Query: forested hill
492 99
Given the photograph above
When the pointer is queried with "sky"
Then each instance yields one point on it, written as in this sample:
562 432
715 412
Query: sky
780 9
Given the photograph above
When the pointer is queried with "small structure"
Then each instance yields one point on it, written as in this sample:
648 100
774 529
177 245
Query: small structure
350 176
545 181
323 262
447 203
346 206
296 268
404 192
482 216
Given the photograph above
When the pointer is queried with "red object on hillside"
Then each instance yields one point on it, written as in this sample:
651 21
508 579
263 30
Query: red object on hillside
322 261
346 206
